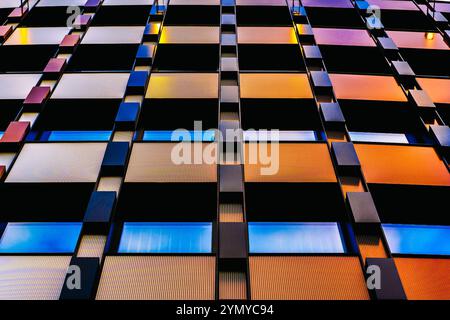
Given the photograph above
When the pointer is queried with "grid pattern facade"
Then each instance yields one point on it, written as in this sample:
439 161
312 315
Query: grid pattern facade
92 91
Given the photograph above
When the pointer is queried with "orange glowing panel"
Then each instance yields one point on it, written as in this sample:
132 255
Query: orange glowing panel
190 35
275 86
402 165
183 86
269 35
297 163
437 89
361 87
417 40
424 279
307 278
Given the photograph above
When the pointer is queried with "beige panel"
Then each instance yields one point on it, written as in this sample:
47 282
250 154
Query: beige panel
297 162
307 278
157 278
58 162
60 3
91 86
17 86
109 184
123 136
127 2
231 212
32 277
37 36
260 2
232 285
113 35
183 86
92 246
29 117
151 162
190 35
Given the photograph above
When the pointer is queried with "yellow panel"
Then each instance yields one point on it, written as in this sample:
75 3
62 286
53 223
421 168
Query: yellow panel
269 35
275 85
307 278
183 86
402 165
424 279
437 89
92 246
298 162
190 35
362 87
157 278
232 285
151 162
58 162
32 277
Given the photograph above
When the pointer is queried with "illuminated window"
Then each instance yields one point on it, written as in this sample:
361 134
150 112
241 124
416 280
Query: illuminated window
40 237
267 237
169 237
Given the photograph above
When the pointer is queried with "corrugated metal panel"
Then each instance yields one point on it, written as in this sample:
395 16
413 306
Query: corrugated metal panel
32 277
370 247
307 278
425 278
91 246
232 285
231 212
157 278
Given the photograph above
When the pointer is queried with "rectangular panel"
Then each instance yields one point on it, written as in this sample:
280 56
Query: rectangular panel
289 162
417 239
188 237
191 35
17 86
343 37
58 162
274 85
307 278
266 35
52 237
152 162
268 237
402 165
37 36
157 278
32 277
183 86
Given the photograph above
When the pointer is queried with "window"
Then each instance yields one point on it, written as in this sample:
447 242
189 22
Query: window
76 136
418 239
378 137
254 136
168 135
266 237
17 86
40 237
37 36
195 237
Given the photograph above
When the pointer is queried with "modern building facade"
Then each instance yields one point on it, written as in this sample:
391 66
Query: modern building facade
335 186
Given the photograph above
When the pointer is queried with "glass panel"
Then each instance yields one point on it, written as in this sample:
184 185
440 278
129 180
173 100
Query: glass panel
37 36
113 35
415 239
40 237
280 136
378 137
76 136
267 237
168 135
195 237
17 86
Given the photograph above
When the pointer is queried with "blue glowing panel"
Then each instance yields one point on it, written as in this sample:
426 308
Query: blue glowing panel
1 134
285 237
205 136
378 137
161 237
415 239
40 237
306 135
76 136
